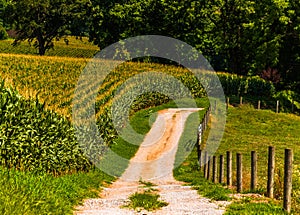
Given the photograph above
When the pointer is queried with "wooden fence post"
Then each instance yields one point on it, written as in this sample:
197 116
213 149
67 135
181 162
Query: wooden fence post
203 125
214 169
271 168
241 100
253 170
205 164
215 108
200 158
221 169
229 168
239 173
277 106
258 105
227 103
209 168
288 172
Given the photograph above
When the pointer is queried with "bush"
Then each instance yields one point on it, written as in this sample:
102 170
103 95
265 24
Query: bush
3 33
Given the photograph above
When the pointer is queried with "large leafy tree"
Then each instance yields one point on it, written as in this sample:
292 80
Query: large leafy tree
42 21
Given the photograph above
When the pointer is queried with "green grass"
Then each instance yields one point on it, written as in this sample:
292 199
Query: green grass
148 199
33 193
145 200
189 172
249 129
245 207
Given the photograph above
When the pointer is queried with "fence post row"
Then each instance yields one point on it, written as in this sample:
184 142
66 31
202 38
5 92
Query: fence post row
201 128
199 156
211 172
210 163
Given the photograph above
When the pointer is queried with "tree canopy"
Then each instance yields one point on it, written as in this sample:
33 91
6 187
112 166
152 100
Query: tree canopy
241 36
245 37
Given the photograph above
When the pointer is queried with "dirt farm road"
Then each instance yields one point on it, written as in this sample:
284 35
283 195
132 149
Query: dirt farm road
154 162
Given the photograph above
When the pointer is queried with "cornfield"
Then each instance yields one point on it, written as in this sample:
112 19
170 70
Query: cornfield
36 129
32 138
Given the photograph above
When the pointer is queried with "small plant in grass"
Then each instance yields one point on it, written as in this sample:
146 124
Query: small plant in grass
146 183
146 200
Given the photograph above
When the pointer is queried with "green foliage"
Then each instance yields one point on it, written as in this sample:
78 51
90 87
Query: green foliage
38 193
286 99
147 200
3 33
239 36
241 85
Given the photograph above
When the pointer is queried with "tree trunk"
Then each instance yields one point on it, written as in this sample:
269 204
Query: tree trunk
42 50
41 44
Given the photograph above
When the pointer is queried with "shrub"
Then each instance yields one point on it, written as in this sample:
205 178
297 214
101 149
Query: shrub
241 85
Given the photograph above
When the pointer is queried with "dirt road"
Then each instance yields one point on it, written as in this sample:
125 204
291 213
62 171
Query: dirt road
154 162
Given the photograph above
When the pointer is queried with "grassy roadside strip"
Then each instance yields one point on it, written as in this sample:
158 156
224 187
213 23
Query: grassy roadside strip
33 193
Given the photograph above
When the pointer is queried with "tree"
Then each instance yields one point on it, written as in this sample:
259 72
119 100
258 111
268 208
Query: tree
103 28
41 21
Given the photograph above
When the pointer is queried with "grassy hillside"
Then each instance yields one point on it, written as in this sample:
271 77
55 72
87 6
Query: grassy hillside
249 129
